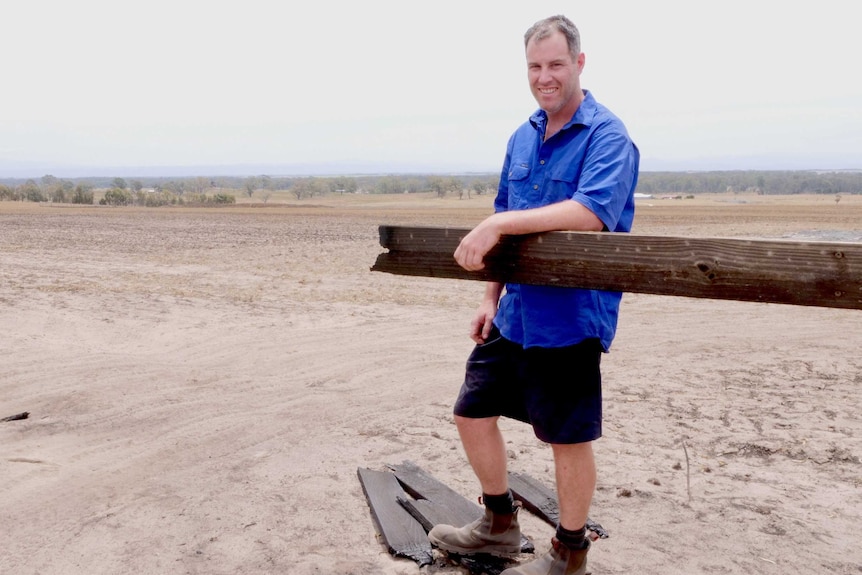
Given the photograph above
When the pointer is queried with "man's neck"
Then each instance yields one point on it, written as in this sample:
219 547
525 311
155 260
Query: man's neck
561 117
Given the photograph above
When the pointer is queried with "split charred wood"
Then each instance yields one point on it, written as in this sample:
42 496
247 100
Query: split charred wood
433 502
403 535
429 515
438 502
541 501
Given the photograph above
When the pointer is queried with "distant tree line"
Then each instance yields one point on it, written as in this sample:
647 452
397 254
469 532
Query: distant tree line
221 190
51 189
201 190
760 182
117 192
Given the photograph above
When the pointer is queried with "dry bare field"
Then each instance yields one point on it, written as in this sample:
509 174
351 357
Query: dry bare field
203 384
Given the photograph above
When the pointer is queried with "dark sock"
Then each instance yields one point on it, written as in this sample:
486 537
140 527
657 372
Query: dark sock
572 539
499 504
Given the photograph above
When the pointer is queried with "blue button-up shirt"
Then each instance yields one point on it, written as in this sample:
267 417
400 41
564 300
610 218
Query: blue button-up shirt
592 161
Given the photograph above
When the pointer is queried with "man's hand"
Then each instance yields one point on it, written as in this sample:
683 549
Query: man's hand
481 325
471 252
483 321
563 215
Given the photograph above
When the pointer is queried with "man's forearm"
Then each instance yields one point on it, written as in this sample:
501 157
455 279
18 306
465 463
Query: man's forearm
493 291
565 215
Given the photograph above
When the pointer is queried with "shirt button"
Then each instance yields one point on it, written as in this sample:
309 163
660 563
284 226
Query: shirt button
542 162
536 187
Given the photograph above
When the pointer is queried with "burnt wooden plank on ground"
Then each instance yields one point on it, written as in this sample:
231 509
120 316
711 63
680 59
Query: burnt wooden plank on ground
438 502
541 501
408 501
435 502
824 274
403 535
422 485
428 515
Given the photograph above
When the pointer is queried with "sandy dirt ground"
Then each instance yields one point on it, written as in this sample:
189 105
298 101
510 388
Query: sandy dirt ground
204 383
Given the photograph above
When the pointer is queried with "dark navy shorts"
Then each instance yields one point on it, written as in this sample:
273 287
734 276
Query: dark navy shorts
556 390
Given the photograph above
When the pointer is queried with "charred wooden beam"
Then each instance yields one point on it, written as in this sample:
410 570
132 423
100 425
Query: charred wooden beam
436 502
823 274
403 535
541 501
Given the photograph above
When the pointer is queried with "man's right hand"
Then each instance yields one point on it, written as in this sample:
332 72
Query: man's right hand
480 327
473 247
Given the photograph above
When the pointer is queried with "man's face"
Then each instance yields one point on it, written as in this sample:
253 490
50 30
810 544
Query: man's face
554 76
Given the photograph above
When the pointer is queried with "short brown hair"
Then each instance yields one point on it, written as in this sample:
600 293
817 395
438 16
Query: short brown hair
545 27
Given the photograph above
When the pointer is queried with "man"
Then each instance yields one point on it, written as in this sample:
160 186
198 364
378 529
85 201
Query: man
572 166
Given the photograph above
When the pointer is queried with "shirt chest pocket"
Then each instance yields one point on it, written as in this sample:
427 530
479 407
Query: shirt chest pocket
519 171
519 194
564 172
563 180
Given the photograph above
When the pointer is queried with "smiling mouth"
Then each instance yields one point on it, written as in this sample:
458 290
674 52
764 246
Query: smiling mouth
547 91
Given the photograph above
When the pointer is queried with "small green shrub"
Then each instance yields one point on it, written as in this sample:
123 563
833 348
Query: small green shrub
82 195
117 197
224 199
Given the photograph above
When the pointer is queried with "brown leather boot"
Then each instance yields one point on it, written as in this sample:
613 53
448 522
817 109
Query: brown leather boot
559 560
495 534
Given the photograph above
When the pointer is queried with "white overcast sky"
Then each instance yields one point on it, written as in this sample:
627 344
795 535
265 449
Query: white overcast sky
753 84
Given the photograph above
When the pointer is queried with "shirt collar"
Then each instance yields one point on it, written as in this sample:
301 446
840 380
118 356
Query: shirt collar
583 116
